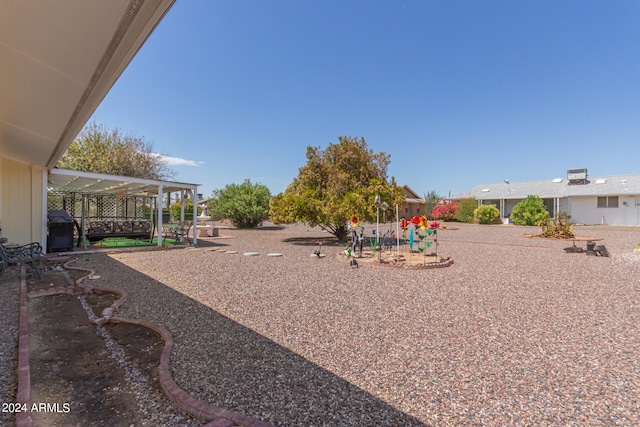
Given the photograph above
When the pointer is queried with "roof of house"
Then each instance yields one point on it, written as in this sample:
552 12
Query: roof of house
617 185
411 196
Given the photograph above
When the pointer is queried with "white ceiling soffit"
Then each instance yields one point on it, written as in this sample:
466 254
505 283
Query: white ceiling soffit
59 60
68 181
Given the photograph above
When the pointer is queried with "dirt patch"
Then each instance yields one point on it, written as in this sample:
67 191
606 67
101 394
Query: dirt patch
76 376
72 370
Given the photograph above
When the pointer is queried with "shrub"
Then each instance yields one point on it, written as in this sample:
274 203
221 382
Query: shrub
464 211
188 210
444 210
558 228
246 204
530 211
486 214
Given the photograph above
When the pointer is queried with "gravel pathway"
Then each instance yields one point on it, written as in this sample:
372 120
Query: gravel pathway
516 332
9 308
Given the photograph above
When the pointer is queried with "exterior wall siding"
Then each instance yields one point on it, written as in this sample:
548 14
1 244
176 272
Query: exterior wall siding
584 210
21 215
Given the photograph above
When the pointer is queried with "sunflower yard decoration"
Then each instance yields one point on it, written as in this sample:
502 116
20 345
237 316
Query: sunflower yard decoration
416 235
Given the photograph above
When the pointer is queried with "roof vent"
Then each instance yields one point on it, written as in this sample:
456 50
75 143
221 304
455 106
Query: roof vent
577 176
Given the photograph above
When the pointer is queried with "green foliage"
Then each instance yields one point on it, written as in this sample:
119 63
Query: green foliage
246 204
430 200
464 213
559 228
530 211
337 182
188 210
486 214
98 149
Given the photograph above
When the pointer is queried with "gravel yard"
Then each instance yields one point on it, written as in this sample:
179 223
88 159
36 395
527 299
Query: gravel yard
515 332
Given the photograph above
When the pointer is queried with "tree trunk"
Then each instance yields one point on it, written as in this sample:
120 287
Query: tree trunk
341 234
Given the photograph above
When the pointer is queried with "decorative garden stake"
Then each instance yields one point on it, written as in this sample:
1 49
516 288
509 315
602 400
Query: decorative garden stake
356 236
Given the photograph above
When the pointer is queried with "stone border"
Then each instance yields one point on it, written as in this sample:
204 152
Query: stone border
23 395
576 238
214 416
446 263
218 417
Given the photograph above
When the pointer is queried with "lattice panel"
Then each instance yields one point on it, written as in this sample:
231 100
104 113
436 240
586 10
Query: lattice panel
103 207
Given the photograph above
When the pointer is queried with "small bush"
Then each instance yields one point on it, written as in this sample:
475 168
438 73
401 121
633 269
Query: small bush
486 214
560 227
188 210
444 210
530 211
464 212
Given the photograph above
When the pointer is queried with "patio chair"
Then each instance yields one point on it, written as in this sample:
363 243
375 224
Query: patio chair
20 255
179 232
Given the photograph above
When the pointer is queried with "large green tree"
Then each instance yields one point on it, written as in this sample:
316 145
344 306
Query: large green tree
102 150
336 182
246 204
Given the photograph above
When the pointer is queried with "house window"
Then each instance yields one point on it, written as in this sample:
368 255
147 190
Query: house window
608 202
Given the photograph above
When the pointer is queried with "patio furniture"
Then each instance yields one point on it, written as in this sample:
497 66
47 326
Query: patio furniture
179 232
99 230
20 255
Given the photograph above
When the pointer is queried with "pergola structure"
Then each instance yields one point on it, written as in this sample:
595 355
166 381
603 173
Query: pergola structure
87 184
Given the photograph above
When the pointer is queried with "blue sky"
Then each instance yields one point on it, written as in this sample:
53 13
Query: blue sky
459 93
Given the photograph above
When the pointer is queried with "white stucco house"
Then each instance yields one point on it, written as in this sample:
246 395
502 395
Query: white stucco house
612 200
59 60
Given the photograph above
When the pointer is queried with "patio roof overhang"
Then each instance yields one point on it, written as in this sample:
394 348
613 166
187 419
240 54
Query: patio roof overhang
69 181
59 60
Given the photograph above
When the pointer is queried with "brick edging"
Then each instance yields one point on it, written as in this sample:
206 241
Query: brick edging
216 416
23 395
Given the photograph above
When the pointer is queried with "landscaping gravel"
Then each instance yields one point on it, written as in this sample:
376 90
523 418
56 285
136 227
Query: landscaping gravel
9 309
516 332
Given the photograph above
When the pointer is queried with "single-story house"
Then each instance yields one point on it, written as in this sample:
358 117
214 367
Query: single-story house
612 200
413 204
59 60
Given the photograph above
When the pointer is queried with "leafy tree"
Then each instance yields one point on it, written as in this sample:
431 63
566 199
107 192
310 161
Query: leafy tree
337 182
530 211
98 149
486 214
464 213
246 204
430 200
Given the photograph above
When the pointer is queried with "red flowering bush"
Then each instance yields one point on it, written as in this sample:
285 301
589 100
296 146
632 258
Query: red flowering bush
444 210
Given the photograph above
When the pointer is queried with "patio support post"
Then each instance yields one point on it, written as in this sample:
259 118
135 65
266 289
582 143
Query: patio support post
83 215
194 196
159 215
45 212
182 205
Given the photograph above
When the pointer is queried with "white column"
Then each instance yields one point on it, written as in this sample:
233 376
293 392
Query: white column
45 212
159 214
194 197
